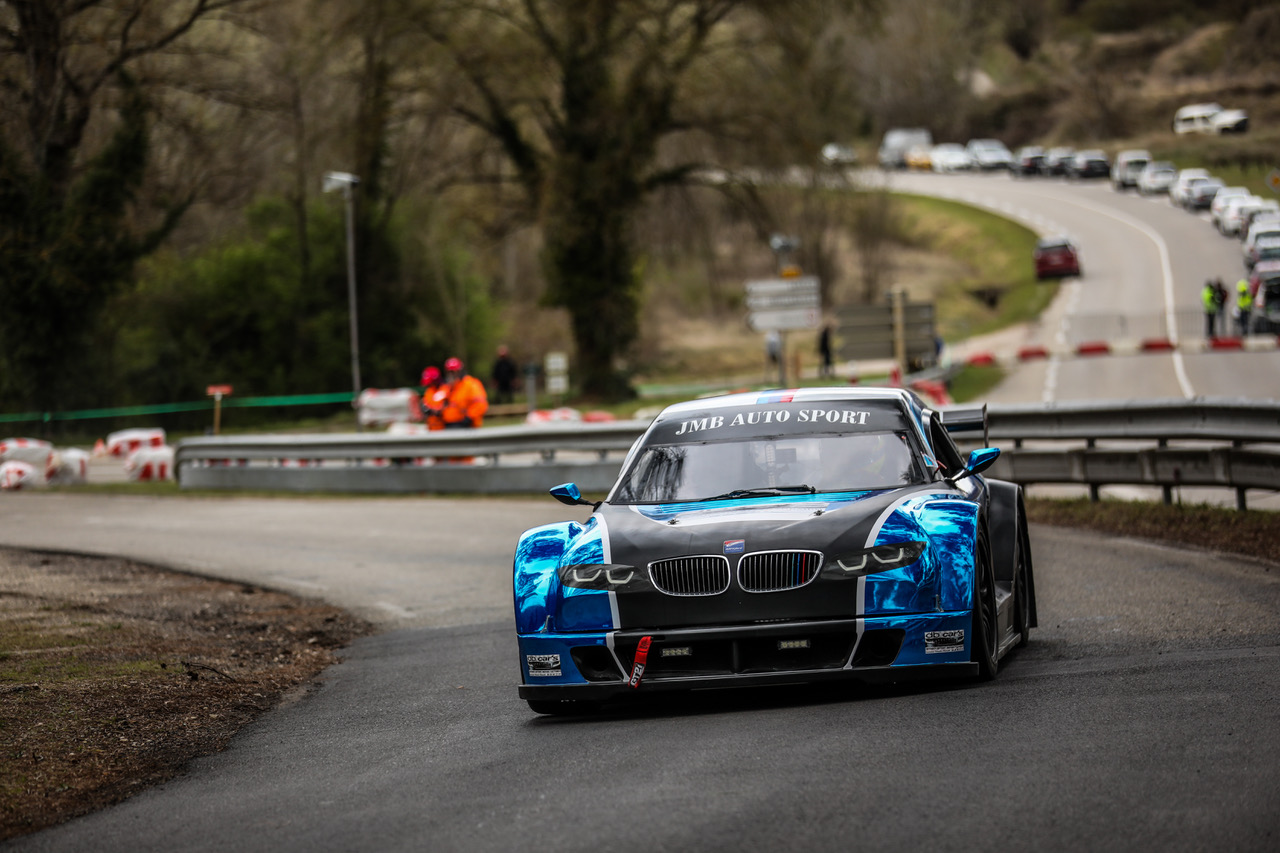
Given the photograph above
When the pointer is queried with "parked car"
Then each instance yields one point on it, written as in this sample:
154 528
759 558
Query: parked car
920 157
1056 257
950 157
1128 165
1088 164
990 154
1233 213
1263 250
1200 195
1265 283
1268 210
1156 177
837 154
1265 225
1220 199
771 538
1056 160
1028 161
1179 190
897 142
1209 118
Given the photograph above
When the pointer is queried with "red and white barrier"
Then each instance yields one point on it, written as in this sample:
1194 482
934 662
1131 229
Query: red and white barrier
14 475
33 451
126 441
67 467
546 416
1146 346
388 406
401 428
149 464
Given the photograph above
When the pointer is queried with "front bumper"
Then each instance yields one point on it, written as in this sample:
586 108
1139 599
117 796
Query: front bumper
597 666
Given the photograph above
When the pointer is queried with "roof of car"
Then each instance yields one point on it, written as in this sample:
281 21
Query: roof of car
790 395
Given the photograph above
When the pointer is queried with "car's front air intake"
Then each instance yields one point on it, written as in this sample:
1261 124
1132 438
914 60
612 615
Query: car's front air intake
774 571
703 575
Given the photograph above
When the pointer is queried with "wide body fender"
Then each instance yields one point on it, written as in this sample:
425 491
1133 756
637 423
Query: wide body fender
952 527
537 559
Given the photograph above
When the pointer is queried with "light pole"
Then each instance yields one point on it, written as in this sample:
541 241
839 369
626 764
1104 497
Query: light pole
345 181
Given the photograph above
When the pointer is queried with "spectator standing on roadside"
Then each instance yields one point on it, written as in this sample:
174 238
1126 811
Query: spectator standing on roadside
1244 307
1221 319
1209 299
434 394
504 375
466 401
824 352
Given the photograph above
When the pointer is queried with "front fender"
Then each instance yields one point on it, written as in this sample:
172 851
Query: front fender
538 556
952 527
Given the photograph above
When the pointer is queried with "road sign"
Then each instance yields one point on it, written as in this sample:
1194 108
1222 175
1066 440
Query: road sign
866 332
780 304
784 319
218 391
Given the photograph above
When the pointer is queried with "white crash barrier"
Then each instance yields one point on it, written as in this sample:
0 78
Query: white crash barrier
14 475
387 406
547 416
125 441
69 466
149 464
401 428
32 451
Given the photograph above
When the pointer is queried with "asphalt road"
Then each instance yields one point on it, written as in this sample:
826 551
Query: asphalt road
1141 716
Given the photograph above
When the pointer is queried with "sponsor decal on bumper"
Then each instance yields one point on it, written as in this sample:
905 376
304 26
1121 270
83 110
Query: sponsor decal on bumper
942 642
542 666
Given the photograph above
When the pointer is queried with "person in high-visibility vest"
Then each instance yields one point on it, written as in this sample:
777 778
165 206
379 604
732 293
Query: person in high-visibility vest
1244 307
434 394
467 401
1209 298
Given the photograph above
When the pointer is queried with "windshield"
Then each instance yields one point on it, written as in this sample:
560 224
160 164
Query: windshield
771 465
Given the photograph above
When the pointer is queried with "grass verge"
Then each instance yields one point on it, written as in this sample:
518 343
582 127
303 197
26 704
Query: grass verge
1255 533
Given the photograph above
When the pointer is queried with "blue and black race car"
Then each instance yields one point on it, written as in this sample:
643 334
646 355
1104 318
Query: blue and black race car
779 537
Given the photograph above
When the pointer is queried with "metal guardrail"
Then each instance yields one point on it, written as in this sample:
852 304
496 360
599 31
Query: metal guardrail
533 458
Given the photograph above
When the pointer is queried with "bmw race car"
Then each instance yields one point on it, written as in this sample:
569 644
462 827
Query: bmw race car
779 537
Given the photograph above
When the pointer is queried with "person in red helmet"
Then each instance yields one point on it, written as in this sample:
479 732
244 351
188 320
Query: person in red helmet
466 402
434 395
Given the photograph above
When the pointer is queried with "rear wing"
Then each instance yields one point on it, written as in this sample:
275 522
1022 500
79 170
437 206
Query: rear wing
968 419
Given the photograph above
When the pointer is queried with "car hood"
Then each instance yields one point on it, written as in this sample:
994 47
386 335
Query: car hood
640 534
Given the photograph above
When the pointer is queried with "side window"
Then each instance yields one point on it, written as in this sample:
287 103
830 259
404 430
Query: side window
948 456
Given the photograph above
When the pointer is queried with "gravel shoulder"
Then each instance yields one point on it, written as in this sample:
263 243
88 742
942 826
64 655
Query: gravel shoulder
114 675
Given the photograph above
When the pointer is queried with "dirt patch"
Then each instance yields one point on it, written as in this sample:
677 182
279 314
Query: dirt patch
114 675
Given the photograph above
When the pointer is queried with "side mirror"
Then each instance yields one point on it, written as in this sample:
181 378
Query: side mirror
568 493
979 461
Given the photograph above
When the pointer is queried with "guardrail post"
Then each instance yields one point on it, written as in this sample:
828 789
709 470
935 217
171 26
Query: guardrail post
1241 503
1166 492
1094 488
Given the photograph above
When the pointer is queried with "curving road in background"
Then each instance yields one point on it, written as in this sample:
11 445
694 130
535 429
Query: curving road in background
1144 263
1142 715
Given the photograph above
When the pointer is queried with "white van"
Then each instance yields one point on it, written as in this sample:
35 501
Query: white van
1209 118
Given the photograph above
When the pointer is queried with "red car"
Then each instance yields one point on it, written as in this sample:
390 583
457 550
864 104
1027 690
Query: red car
1056 257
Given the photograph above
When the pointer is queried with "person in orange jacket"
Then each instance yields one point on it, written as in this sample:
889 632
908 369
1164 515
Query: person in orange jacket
467 401
434 395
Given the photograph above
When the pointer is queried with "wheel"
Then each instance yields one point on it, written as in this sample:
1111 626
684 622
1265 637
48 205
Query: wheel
560 707
985 624
1022 592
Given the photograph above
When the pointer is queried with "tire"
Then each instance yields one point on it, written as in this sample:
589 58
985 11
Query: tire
1022 591
560 707
984 625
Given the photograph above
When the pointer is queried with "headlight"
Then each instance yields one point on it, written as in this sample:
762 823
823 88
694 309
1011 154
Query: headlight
869 561
607 576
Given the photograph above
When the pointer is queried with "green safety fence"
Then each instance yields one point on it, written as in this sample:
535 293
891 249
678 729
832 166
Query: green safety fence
171 408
